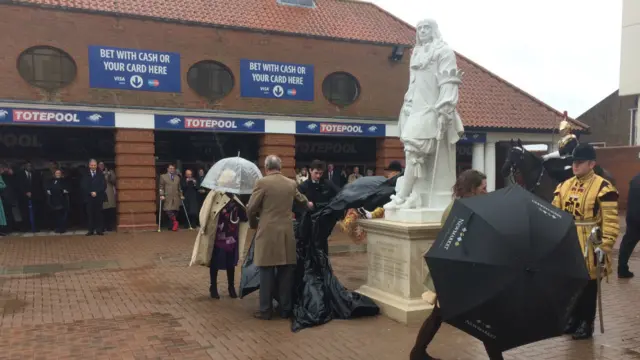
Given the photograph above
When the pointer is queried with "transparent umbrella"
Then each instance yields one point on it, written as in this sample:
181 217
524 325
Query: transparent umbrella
233 175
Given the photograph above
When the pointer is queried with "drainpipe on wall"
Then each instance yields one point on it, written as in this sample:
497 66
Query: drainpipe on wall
632 125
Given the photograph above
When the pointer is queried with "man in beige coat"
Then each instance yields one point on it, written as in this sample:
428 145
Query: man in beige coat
171 195
275 244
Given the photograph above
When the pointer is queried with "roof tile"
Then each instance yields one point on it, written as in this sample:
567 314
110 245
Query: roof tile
486 101
341 19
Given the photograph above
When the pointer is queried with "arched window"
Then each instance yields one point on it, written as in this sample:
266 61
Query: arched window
210 79
47 67
341 88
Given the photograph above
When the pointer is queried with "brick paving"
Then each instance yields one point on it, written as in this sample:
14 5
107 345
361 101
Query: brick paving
131 296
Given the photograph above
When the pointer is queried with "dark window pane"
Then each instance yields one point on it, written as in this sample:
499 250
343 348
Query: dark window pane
341 88
47 67
210 79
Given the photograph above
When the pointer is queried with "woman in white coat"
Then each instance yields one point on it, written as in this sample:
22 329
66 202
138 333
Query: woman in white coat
221 239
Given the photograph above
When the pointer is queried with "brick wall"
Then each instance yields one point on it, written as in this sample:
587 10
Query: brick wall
388 150
624 164
136 184
284 146
383 83
609 120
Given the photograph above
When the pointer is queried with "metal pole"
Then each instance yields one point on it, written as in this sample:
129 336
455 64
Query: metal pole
632 126
160 216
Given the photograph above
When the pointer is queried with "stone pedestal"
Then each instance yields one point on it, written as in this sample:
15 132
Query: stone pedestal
396 267
415 216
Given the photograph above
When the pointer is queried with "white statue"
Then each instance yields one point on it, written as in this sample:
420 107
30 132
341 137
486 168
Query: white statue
429 124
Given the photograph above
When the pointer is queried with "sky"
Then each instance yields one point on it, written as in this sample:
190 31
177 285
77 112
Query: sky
564 52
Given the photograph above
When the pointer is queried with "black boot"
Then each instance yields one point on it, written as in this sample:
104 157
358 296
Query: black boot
584 331
213 289
624 273
232 287
572 326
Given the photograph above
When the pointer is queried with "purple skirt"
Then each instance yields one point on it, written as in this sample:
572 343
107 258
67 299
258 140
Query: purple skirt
222 259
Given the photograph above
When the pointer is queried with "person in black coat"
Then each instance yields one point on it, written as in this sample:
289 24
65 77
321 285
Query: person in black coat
58 200
202 192
93 191
29 191
317 189
336 177
632 235
190 187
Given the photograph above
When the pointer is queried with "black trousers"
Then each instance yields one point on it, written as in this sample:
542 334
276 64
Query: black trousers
280 279
60 217
95 221
629 242
585 308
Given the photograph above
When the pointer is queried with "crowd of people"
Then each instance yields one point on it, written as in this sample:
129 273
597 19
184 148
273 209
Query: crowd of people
338 177
34 201
588 197
184 190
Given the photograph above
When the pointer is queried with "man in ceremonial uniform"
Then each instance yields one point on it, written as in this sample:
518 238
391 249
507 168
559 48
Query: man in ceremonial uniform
558 163
593 201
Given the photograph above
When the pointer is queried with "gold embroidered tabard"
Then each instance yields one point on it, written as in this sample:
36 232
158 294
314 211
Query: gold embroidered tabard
593 201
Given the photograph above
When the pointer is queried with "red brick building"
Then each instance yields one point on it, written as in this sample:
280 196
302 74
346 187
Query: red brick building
263 76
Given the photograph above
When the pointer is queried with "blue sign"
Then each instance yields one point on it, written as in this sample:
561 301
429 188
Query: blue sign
340 129
473 137
274 80
131 69
57 117
215 124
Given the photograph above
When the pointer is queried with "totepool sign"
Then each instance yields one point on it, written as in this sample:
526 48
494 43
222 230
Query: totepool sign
340 129
57 117
216 124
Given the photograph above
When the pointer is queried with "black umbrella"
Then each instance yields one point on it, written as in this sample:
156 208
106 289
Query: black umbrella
507 268
368 192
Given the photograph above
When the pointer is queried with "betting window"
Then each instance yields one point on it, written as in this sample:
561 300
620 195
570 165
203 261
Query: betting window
47 67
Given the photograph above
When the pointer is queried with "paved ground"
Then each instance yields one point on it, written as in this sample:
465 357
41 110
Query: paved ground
131 296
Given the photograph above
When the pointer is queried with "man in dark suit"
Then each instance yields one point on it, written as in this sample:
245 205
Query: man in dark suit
335 176
317 189
29 193
93 190
632 235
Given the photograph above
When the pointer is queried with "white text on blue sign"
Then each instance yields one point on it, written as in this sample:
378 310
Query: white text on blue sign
113 55
276 73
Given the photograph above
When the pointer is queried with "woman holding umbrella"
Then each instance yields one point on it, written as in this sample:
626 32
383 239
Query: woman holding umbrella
469 183
223 220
